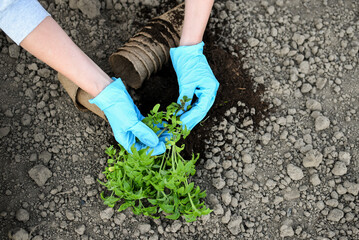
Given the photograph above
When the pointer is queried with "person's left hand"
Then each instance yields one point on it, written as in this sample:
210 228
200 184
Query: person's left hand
195 77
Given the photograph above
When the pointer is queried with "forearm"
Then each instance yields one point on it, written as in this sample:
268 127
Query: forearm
49 43
196 17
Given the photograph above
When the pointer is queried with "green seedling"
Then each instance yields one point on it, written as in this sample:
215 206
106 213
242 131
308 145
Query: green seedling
151 185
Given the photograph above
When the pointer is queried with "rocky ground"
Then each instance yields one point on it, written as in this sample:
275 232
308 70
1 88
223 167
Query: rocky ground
295 177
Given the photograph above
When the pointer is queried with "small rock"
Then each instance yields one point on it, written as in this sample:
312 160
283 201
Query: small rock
286 231
45 156
218 183
14 51
107 214
313 105
315 180
266 138
253 42
176 225
294 172
270 10
226 197
234 226
339 168
4 132
89 180
80 230
69 215
313 158
227 217
321 123
344 157
26 119
44 72
144 228
210 164
22 215
304 67
335 215
40 174
90 8
246 158
20 234
249 169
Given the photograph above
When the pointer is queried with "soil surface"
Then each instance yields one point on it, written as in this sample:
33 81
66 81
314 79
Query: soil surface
279 148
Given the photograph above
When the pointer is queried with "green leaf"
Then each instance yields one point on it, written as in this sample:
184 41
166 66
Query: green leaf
189 188
155 108
174 216
167 208
124 206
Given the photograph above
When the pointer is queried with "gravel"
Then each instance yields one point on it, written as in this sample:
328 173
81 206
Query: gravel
288 174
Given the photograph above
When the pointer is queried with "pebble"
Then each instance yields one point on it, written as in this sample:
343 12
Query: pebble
246 158
107 214
26 119
69 215
45 156
294 172
20 234
321 123
266 138
209 164
304 67
315 180
176 225
44 72
253 42
218 183
91 8
144 228
345 157
335 215
227 217
14 51
234 226
89 180
40 174
22 215
80 230
339 168
4 132
313 105
286 231
226 197
313 158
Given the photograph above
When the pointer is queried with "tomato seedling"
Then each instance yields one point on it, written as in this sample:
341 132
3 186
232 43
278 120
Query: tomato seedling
154 184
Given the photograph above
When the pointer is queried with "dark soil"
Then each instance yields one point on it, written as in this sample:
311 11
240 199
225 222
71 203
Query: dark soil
235 85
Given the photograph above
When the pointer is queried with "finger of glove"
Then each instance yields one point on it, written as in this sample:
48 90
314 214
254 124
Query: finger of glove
191 118
138 113
188 92
144 134
126 140
157 150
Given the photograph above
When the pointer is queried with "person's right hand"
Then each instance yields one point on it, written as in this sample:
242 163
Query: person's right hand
125 119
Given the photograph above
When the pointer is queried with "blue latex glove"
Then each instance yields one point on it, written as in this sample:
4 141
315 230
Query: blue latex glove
125 119
194 77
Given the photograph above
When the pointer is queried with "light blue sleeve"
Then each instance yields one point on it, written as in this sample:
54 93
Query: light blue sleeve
18 18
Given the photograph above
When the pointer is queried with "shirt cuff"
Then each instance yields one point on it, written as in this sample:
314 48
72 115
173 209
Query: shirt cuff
20 18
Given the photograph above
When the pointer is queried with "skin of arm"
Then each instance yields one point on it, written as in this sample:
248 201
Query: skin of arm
196 17
49 43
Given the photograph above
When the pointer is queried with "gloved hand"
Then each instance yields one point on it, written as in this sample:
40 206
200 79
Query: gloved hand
194 77
125 119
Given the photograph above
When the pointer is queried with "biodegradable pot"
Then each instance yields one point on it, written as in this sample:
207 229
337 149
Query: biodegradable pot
128 66
79 97
157 37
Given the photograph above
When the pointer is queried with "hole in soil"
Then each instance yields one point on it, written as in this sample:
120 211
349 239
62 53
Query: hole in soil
235 85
